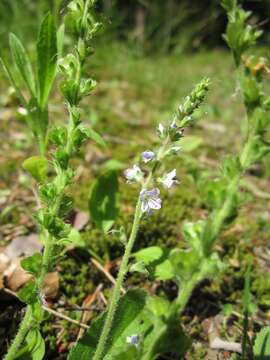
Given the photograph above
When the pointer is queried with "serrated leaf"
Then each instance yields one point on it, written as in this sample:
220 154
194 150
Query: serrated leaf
32 264
128 321
34 348
104 200
171 340
93 135
192 234
148 255
46 58
139 267
12 81
37 166
156 261
185 263
190 143
261 348
22 63
36 344
28 293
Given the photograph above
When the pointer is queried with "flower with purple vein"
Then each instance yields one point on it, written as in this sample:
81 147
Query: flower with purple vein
134 174
169 179
147 156
133 340
150 200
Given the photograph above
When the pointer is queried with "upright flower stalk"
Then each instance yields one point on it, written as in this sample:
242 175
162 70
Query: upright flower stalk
202 235
200 261
149 195
56 203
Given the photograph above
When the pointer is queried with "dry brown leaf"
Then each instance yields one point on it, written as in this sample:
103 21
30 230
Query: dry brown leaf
23 246
17 278
51 285
81 219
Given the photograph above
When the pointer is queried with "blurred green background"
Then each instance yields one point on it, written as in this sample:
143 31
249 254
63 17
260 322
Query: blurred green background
150 25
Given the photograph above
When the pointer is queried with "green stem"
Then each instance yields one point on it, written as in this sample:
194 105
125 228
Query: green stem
176 309
184 295
46 260
117 289
21 335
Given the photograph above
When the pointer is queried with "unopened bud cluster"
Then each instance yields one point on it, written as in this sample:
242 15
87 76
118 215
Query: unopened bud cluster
170 136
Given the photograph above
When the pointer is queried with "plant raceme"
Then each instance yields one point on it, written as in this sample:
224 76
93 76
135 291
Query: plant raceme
65 141
138 326
121 331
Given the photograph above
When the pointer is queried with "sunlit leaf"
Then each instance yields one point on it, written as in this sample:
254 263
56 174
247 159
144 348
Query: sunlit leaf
32 264
104 200
47 58
128 321
22 63
261 348
37 166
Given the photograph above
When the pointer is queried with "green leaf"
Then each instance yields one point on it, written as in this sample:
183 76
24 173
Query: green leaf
185 263
192 233
190 143
47 58
60 40
104 200
37 166
32 264
22 63
149 255
37 312
28 294
158 306
113 164
172 339
156 261
139 267
35 347
261 348
128 321
12 81
93 135
254 149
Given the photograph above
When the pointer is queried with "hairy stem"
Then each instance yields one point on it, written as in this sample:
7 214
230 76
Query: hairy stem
117 289
24 328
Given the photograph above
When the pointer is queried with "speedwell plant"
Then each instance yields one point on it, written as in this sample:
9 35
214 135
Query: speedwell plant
65 141
143 327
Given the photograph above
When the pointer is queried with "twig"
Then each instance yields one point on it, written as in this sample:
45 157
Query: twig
85 316
106 273
64 317
55 313
255 190
219 344
103 298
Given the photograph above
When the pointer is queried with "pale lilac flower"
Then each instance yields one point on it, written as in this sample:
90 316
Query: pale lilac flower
147 156
161 130
169 179
133 340
22 111
173 150
150 200
133 174
173 125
